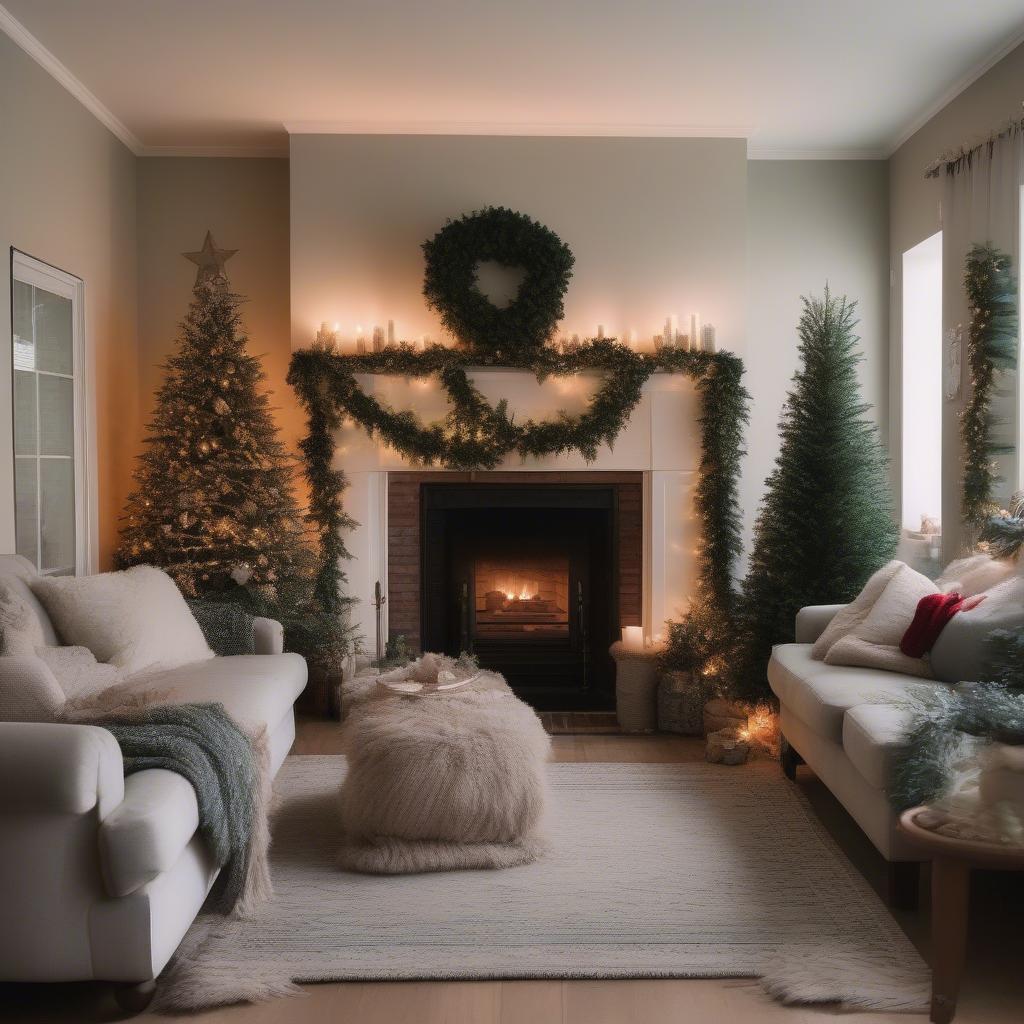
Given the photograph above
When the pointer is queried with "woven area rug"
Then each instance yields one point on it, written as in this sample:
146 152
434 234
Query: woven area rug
655 871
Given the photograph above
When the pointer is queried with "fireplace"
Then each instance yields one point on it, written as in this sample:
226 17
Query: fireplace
525 577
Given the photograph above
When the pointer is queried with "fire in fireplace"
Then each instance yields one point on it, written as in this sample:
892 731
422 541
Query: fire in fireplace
524 577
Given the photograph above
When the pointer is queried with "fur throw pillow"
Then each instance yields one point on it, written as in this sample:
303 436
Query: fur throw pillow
20 631
136 620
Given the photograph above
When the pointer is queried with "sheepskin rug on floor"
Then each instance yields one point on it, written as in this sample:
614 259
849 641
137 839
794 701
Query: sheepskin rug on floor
654 871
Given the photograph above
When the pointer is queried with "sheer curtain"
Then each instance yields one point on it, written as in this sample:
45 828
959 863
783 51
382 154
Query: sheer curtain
981 204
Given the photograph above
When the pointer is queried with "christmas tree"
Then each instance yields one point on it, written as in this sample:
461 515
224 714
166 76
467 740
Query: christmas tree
826 522
213 503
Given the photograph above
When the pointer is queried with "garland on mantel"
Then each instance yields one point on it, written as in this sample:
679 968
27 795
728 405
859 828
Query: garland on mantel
476 435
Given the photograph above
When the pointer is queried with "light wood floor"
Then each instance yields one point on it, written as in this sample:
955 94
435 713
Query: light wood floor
993 992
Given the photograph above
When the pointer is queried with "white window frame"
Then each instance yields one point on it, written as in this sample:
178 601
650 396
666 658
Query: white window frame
31 271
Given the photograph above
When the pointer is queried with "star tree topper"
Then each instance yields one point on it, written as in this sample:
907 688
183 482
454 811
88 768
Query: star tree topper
210 260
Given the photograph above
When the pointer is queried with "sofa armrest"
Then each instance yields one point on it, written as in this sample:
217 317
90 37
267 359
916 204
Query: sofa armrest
48 768
268 636
812 620
29 691
146 833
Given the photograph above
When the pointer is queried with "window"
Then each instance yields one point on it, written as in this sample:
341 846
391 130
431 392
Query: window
50 466
922 384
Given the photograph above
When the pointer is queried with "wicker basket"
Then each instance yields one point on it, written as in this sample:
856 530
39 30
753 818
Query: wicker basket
636 687
681 699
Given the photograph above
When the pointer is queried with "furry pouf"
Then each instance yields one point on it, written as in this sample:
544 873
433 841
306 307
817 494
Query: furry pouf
443 781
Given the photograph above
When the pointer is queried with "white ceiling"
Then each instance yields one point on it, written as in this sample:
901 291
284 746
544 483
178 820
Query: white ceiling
797 77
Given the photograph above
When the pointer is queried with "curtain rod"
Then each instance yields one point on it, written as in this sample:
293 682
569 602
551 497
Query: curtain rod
957 160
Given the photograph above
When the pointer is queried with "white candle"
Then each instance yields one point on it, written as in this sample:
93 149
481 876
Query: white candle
600 330
695 332
668 336
633 638
708 338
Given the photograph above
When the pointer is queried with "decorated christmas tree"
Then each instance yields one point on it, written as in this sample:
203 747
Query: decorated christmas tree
826 522
213 503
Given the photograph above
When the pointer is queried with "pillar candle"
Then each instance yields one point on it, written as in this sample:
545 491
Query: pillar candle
633 637
695 332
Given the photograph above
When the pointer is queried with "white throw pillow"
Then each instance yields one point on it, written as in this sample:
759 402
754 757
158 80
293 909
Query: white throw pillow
847 619
77 671
875 641
136 619
894 611
850 650
960 654
20 631
976 574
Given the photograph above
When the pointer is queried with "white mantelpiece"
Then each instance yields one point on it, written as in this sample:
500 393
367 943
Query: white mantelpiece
661 439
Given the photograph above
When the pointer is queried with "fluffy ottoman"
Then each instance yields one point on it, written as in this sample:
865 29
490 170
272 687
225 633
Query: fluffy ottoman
452 779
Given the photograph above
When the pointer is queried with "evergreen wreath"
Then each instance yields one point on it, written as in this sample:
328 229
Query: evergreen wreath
515 240
477 435
991 348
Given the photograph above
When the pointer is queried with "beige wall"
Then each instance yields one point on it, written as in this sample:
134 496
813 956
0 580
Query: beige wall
811 222
245 204
658 226
914 203
67 197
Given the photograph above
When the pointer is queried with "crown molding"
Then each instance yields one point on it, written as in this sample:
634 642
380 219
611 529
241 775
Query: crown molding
522 129
277 151
49 63
758 152
961 85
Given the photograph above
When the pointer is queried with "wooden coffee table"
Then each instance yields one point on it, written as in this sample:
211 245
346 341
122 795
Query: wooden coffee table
952 861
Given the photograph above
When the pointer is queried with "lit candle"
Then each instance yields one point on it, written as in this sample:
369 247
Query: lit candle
633 638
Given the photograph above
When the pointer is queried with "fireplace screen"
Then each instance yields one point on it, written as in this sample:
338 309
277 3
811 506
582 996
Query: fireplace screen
521 595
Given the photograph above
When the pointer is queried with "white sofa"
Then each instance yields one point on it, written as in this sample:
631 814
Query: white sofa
101 875
846 725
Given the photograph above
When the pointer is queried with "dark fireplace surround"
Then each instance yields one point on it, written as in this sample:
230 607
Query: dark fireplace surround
534 573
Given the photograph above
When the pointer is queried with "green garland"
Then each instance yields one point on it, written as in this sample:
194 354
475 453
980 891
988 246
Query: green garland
477 435
991 347
450 286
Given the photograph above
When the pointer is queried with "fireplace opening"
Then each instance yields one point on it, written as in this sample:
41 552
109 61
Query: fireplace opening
524 578
521 594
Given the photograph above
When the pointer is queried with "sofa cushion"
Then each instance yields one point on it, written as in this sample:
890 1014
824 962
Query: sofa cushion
872 734
255 689
820 694
145 834
15 572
